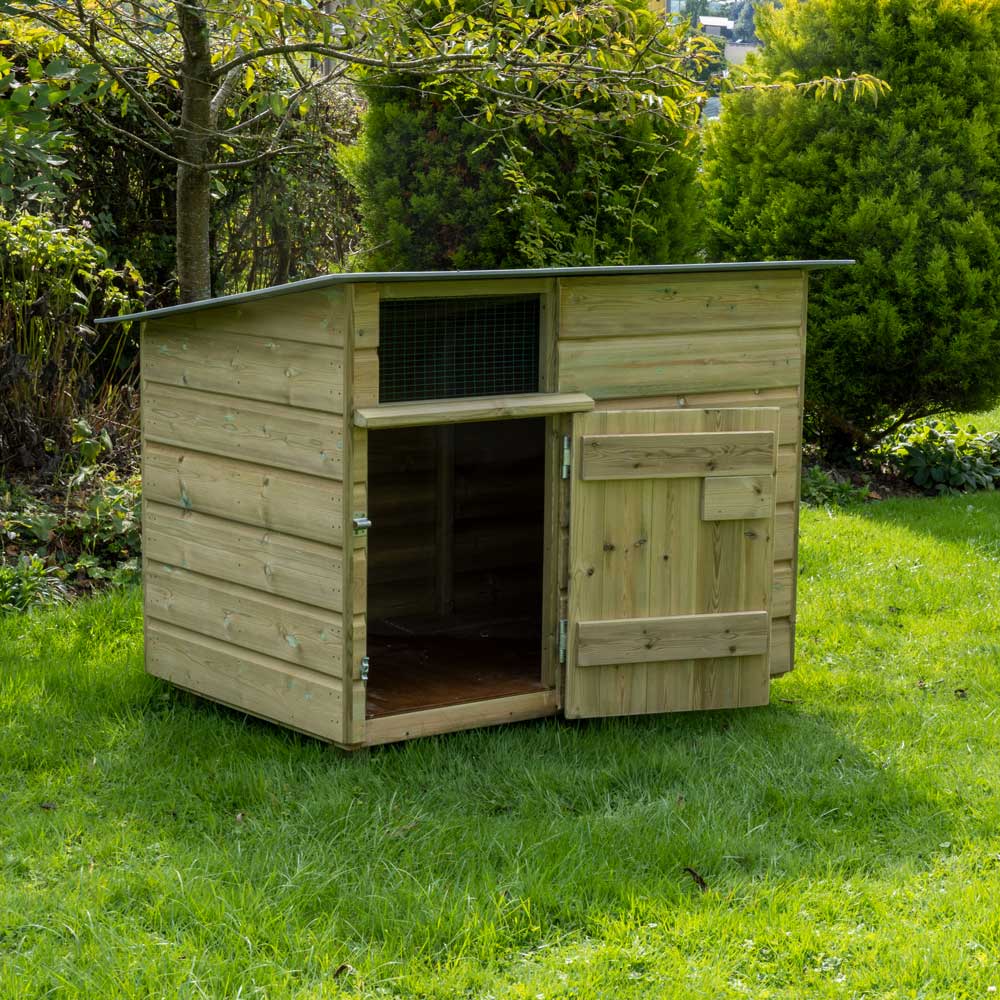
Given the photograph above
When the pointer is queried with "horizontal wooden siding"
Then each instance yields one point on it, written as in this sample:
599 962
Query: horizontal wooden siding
244 509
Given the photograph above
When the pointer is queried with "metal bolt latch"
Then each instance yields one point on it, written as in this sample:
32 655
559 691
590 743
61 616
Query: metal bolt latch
361 524
364 668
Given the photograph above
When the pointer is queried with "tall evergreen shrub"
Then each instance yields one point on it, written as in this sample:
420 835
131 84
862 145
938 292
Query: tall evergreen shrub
430 196
909 186
444 186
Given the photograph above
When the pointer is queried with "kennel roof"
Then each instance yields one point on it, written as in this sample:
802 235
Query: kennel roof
323 281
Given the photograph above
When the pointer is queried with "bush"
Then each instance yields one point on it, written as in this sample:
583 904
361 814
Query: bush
430 196
442 188
470 180
28 582
82 533
910 186
939 456
822 488
54 365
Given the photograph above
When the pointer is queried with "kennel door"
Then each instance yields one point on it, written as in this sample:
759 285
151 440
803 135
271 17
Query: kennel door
670 561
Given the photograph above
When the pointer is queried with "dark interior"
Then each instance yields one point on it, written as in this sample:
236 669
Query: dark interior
454 563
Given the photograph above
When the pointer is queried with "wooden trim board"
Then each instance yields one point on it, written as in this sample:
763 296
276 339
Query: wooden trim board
471 409
271 434
264 496
250 619
264 560
251 682
670 456
467 715
267 369
677 637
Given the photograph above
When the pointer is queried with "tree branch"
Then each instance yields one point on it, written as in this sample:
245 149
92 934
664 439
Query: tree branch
94 52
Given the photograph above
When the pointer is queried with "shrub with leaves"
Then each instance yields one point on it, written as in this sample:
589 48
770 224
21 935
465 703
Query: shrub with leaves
53 363
939 456
27 582
69 538
476 178
908 185
824 488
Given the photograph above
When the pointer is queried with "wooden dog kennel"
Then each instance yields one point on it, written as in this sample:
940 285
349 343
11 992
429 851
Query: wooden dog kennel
379 506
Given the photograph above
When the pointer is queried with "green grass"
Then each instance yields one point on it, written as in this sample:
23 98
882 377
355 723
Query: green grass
154 845
988 421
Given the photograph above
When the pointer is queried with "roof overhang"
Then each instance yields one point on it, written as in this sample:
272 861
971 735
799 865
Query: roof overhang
329 280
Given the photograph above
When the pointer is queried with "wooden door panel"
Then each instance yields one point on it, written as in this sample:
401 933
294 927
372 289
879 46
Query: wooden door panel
671 548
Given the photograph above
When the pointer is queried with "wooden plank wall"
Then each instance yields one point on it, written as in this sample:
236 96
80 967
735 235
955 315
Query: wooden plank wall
244 466
699 340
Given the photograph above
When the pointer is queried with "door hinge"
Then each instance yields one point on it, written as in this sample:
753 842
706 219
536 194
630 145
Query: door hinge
563 626
565 457
361 524
364 668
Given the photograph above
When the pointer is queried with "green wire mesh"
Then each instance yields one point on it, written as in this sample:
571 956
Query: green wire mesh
446 348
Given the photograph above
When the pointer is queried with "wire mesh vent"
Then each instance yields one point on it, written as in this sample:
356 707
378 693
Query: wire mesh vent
444 348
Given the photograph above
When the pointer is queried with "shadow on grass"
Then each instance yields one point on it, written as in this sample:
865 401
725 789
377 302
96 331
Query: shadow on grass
630 803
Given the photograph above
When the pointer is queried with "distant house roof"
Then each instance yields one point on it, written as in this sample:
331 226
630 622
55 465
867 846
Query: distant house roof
716 22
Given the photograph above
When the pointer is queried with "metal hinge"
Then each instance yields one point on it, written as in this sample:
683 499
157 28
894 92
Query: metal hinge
565 457
563 625
361 524
364 668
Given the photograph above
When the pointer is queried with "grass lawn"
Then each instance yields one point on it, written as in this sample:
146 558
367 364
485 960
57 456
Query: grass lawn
988 421
849 835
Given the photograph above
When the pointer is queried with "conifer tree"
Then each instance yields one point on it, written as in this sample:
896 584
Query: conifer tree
451 184
908 185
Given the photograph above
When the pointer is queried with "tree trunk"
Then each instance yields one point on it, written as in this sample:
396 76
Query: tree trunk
194 146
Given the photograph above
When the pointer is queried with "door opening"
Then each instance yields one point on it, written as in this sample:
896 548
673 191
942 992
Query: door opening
455 560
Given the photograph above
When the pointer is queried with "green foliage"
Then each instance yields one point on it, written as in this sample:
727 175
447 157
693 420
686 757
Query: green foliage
291 217
940 456
225 86
909 185
429 190
742 13
36 78
28 582
54 281
621 194
443 188
90 532
90 444
823 488
453 177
